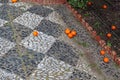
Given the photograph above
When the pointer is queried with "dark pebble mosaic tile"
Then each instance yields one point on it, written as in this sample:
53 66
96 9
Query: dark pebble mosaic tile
63 52
8 31
80 75
49 28
40 10
4 1
22 65
63 11
9 12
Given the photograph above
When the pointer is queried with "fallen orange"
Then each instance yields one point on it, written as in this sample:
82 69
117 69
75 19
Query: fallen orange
70 35
109 35
67 31
89 3
35 33
13 1
104 6
106 60
113 27
102 52
73 32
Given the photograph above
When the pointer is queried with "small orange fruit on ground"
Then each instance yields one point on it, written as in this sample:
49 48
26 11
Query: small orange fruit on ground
13 1
113 27
89 3
106 60
70 35
109 35
35 33
73 32
67 31
104 6
102 52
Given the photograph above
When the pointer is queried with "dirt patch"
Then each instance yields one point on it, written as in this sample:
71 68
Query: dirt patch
102 20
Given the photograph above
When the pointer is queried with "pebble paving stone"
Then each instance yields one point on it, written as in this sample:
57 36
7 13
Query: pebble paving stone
49 7
5 46
4 1
2 22
7 31
56 18
78 75
6 75
63 11
82 33
1 4
40 10
29 20
43 57
7 11
21 5
110 70
21 61
49 28
42 43
64 52
52 69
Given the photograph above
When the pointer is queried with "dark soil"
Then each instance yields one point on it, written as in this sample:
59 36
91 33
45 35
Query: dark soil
102 19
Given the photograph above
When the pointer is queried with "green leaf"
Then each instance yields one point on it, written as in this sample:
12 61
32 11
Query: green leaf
80 5
109 44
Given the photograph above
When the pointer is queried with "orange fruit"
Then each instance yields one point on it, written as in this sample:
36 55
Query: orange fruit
106 60
109 35
113 27
70 35
13 1
89 3
73 32
104 6
102 52
67 31
35 33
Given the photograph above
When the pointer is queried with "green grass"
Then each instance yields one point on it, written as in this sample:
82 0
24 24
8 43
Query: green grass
109 43
92 65
47 77
101 34
116 65
82 43
96 24
19 51
86 15
81 54
78 3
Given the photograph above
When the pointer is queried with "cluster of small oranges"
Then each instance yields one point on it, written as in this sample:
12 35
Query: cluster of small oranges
109 35
113 27
70 33
105 59
104 6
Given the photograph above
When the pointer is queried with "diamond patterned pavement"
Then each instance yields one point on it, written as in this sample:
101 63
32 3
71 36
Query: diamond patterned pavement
55 69
45 57
41 44
63 52
40 10
29 20
9 10
5 46
7 31
49 28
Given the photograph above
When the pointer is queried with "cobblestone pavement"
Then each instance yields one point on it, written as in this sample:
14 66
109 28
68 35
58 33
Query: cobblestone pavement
51 55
